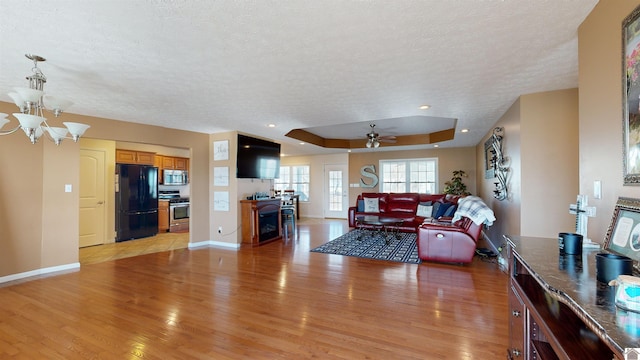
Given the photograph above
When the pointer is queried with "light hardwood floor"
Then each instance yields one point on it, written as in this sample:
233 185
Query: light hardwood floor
275 301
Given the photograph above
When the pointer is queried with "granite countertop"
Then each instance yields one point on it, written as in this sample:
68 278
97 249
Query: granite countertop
573 280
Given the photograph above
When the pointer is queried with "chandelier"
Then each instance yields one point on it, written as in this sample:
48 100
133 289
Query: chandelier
32 102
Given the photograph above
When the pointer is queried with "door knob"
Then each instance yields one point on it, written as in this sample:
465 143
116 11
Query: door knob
100 202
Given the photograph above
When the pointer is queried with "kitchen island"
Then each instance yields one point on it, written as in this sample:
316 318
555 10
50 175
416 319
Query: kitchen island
557 308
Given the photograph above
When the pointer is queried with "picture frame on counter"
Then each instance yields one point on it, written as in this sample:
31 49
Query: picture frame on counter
623 234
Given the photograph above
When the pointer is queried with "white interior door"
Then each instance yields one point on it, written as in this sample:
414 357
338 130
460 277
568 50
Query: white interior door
336 191
92 197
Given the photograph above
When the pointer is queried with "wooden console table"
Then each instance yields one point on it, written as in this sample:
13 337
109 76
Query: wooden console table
261 222
557 308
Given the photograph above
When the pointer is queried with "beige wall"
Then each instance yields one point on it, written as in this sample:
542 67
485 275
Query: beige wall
228 220
39 222
448 160
549 162
541 146
315 206
507 212
600 79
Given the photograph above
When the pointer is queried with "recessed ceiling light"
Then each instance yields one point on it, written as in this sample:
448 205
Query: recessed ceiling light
436 145
464 130
301 143
271 125
424 107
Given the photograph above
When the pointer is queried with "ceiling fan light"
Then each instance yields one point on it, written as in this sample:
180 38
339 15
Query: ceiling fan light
376 143
369 143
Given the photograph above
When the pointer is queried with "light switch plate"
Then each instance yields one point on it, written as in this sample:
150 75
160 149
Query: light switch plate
67 187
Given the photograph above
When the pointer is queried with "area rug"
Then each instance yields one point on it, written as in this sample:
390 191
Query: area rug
371 245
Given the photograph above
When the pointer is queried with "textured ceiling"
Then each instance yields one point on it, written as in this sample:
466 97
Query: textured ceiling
213 66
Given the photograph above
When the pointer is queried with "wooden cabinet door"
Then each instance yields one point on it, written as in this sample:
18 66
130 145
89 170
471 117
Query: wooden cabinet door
145 158
126 156
157 162
163 216
134 157
517 323
168 162
181 163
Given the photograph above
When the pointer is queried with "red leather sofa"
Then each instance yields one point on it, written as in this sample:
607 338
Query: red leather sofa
448 242
399 205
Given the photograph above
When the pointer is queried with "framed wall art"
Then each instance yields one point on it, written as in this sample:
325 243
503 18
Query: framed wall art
623 234
631 97
221 150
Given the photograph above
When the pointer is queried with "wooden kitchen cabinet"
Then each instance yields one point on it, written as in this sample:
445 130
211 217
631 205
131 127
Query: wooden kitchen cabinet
158 162
163 162
168 162
174 163
135 157
163 216
181 163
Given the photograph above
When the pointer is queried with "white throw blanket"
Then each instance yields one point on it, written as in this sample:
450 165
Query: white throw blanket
475 209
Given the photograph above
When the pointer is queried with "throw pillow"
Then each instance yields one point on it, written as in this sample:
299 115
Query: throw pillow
360 205
450 211
442 209
436 208
424 210
371 205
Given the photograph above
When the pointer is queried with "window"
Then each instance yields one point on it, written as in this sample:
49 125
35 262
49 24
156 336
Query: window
409 175
296 178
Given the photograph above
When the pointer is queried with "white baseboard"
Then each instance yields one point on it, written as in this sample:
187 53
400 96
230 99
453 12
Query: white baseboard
37 272
214 243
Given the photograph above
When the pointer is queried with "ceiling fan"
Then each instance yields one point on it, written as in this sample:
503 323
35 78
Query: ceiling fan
374 139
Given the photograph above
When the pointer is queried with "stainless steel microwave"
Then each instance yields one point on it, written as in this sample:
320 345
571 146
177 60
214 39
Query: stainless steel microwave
175 177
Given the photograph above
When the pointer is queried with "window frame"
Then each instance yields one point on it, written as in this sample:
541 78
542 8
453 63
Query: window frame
407 175
293 184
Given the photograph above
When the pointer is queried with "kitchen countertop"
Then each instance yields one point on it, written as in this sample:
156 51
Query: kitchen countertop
572 279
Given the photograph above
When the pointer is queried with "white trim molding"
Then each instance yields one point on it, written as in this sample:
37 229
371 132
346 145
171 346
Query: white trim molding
49 270
214 243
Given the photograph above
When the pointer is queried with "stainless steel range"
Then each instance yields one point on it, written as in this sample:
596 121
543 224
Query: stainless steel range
178 210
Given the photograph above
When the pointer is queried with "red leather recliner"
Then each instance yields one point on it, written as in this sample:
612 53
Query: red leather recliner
454 243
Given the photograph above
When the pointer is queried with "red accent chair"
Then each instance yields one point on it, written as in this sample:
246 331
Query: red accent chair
446 242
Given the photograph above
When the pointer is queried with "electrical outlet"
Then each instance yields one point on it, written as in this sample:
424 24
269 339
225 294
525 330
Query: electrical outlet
219 229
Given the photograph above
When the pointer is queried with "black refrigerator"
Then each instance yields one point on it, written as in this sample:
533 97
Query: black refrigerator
136 201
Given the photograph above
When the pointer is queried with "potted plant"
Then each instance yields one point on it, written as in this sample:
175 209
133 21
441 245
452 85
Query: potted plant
455 186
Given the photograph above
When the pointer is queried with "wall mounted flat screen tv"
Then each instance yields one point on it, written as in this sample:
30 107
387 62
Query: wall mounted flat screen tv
257 159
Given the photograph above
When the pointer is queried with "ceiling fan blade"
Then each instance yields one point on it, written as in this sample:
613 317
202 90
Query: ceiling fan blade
387 139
